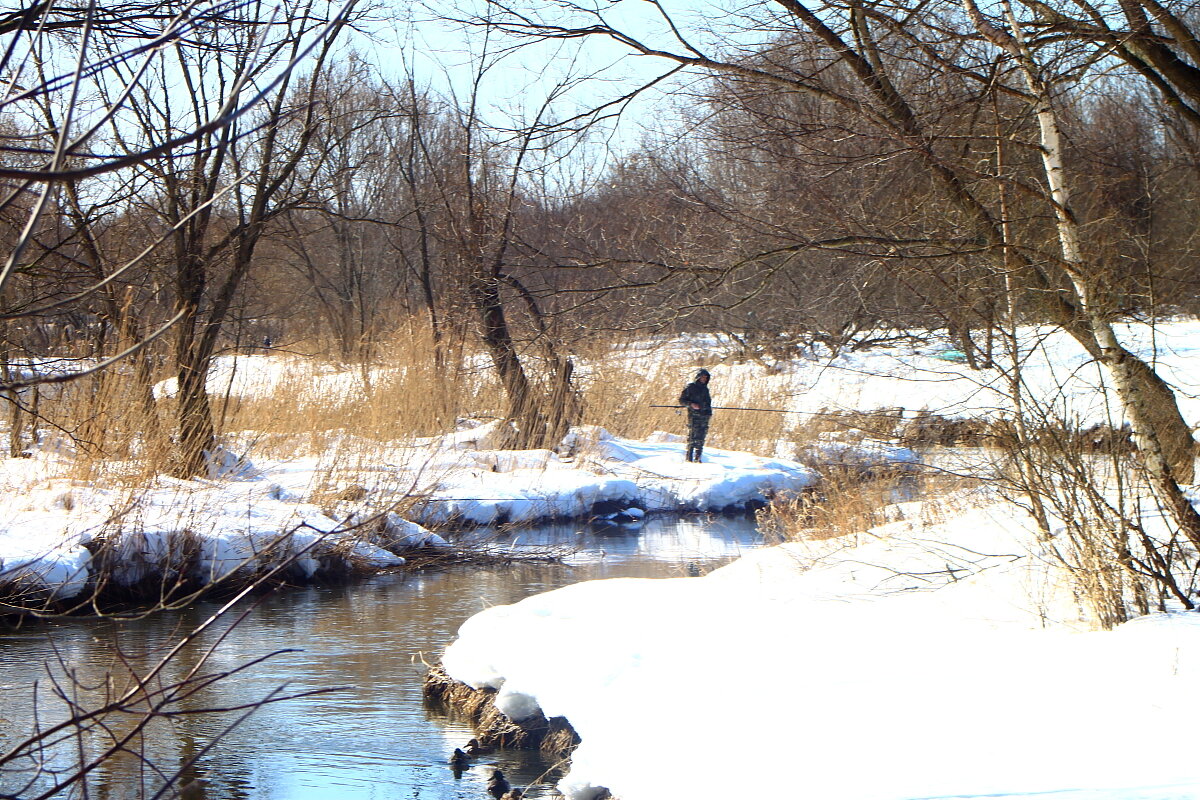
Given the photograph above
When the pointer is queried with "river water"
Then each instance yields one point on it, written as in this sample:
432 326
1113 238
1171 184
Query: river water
373 738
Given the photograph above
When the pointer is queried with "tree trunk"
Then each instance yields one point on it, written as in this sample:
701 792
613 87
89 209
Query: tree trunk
564 403
523 405
197 434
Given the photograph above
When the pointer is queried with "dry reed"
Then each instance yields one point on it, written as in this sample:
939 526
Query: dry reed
553 736
621 390
848 502
403 394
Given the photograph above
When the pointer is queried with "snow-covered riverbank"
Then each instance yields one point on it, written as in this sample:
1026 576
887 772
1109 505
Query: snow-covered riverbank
921 660
252 516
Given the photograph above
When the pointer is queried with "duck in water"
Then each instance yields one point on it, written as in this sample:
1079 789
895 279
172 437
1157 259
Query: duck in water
498 785
474 748
458 762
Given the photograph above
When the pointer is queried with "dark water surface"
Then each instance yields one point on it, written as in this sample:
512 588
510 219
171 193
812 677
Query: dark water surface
375 739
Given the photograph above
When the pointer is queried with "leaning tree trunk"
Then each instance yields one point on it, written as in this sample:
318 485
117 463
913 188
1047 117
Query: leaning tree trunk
197 434
524 406
564 402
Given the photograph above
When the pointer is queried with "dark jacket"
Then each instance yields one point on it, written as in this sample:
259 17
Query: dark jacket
697 392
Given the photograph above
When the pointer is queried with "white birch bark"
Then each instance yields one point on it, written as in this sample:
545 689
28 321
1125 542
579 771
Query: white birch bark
1169 463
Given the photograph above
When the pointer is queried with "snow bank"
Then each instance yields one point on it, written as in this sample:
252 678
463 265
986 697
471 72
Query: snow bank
201 530
249 516
834 672
57 563
602 471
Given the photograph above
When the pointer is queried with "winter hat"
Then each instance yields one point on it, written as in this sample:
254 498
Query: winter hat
702 374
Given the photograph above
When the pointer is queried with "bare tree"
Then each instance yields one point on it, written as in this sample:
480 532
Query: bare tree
217 199
343 241
196 99
473 207
869 65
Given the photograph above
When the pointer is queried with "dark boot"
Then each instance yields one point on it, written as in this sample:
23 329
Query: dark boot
699 450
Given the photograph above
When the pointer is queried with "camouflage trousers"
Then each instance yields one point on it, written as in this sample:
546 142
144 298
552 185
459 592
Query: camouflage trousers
697 431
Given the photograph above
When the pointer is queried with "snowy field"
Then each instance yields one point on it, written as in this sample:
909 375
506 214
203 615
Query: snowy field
853 671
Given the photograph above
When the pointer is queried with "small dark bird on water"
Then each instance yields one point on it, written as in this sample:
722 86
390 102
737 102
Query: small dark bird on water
459 762
498 785
515 794
474 748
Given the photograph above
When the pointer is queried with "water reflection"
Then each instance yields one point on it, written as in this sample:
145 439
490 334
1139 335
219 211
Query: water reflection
371 739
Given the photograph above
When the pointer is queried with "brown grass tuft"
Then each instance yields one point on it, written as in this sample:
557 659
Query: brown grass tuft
620 393
847 502
553 736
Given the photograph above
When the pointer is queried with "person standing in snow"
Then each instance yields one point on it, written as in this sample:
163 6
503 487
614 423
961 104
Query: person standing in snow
698 401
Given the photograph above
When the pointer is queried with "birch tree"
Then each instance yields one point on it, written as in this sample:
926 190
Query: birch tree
1169 459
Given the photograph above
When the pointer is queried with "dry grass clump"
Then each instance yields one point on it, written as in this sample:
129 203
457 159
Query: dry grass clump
849 426
848 502
756 431
841 505
404 393
555 737
920 430
108 426
927 429
619 394
858 488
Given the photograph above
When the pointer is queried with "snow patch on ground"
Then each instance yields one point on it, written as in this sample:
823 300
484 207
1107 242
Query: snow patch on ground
918 661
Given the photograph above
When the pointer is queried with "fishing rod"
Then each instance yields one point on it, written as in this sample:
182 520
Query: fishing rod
734 408
838 414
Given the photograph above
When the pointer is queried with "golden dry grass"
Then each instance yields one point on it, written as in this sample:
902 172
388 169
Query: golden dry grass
620 394
104 423
846 503
402 394
347 415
